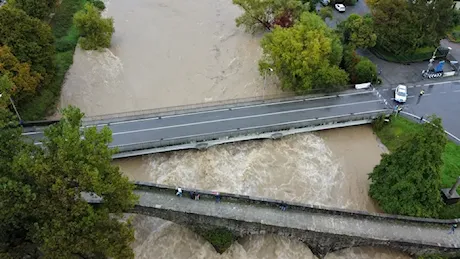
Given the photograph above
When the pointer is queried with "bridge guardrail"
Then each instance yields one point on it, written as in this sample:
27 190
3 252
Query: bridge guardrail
206 137
209 105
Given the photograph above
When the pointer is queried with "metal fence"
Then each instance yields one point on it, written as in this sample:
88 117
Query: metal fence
211 105
206 137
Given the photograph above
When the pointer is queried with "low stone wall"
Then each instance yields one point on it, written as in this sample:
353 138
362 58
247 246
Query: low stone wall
298 206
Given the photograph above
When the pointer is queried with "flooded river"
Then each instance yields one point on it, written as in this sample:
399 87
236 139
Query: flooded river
176 52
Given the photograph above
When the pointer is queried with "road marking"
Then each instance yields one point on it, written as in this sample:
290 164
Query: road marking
457 90
248 128
242 117
443 92
214 111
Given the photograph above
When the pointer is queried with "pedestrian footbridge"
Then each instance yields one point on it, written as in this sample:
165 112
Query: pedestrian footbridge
322 229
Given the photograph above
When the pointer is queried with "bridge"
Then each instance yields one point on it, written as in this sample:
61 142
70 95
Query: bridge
323 229
199 128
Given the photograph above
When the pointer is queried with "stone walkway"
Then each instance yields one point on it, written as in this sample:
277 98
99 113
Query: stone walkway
320 222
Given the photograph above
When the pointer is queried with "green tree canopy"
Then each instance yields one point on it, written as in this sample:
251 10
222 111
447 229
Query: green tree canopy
95 31
407 181
24 81
358 31
403 26
366 71
304 56
42 210
29 38
260 14
40 9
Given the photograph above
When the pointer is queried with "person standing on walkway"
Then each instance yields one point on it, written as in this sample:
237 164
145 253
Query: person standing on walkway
179 192
421 119
452 229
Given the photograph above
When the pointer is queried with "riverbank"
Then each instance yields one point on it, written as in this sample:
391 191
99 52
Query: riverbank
167 53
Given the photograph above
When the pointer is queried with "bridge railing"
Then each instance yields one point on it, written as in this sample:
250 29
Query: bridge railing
206 137
174 110
247 199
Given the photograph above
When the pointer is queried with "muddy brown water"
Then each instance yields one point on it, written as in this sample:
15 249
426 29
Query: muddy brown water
177 52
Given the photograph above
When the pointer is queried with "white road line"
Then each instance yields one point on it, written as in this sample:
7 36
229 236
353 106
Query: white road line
457 90
237 108
248 128
243 117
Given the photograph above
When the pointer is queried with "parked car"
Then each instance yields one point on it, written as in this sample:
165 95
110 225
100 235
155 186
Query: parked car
325 2
401 94
340 7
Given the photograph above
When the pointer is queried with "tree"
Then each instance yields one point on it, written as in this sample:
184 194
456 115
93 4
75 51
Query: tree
359 31
404 26
407 181
42 210
24 80
325 12
301 56
30 40
40 9
95 31
265 14
366 71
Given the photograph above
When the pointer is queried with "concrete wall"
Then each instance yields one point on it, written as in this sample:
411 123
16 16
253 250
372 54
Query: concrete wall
319 243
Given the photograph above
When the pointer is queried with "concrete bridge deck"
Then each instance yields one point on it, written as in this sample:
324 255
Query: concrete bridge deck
158 133
325 229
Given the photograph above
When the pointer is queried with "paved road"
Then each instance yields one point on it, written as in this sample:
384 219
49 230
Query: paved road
242 118
304 220
441 98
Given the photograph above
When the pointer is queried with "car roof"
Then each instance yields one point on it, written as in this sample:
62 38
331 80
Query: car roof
402 87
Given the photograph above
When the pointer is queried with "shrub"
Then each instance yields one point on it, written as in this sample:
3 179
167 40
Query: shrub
95 31
62 20
325 12
366 71
99 4
64 44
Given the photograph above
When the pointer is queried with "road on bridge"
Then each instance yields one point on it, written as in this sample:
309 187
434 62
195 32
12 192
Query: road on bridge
252 116
441 98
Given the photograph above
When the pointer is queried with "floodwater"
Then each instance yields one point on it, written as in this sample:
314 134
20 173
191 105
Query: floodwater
167 53
177 52
326 168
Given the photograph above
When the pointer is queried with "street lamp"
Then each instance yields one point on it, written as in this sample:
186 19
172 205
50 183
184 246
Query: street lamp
15 110
265 80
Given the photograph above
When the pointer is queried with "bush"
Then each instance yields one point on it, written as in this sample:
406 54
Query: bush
95 31
64 44
366 71
349 2
420 54
62 20
325 12
98 4
220 238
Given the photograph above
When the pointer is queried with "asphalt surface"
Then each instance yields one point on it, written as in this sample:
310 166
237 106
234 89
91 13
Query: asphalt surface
237 118
441 98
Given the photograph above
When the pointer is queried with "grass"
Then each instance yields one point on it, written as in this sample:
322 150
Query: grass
454 35
66 38
400 129
421 54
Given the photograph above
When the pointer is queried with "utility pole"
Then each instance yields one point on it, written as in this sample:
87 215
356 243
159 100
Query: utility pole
265 81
